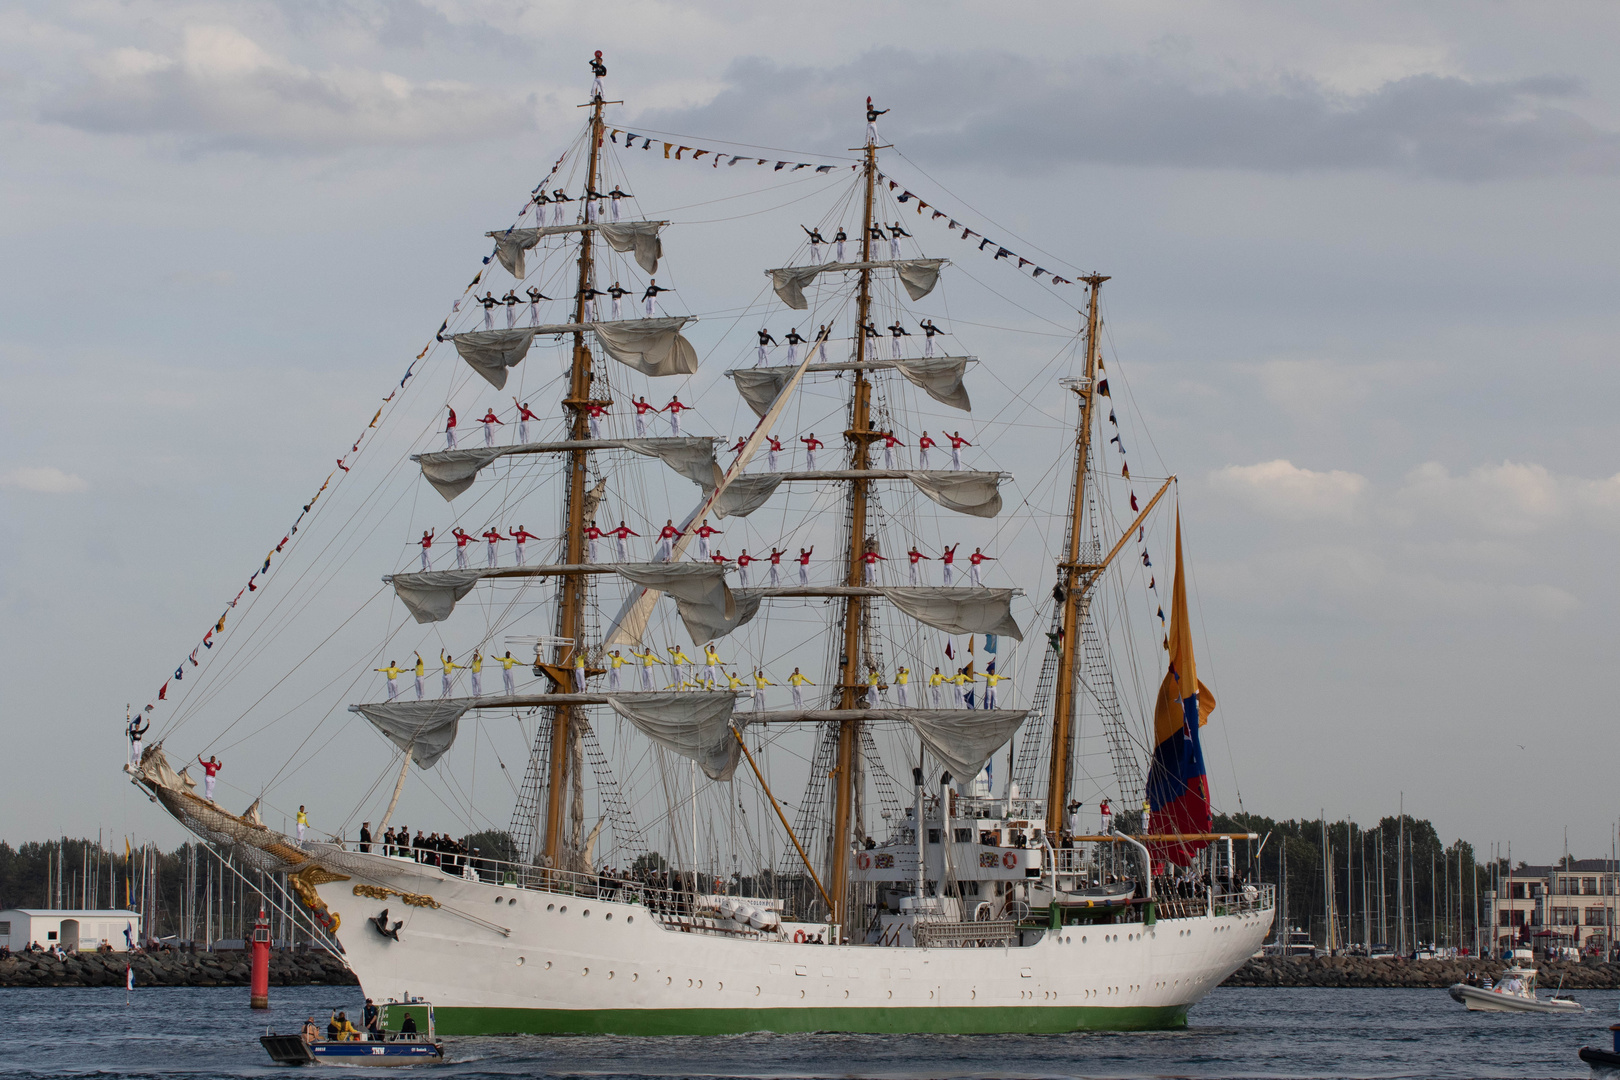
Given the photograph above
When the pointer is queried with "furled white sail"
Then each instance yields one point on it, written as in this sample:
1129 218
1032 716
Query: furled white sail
640 236
693 458
919 276
699 590
651 346
975 493
431 596
958 611
491 352
694 725
963 739
940 377
451 472
746 494
426 728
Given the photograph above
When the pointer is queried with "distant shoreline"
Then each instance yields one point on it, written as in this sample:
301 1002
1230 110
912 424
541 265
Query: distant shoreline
1355 972
225 968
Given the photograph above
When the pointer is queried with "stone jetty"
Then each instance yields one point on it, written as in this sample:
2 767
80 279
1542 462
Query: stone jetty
1357 971
164 968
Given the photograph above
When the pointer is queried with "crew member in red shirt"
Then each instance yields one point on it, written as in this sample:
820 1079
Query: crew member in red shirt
666 540
525 414
462 539
492 536
742 567
592 535
811 445
804 565
675 408
957 442
948 557
704 531
916 557
976 558
426 542
489 420
619 535
871 559
522 536
924 444
450 430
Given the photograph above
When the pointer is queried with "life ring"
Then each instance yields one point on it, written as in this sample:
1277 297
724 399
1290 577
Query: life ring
1009 860
864 861
798 937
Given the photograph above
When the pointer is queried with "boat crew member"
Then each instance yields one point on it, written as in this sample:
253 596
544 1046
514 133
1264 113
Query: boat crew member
579 673
838 243
448 663
798 682
935 681
962 680
393 671
990 681
511 300
811 445
742 567
651 295
615 662
558 197
890 441
675 407
615 195
793 342
760 683
642 409
521 535
947 559
712 662
816 241
680 662
365 842
535 296
804 565
764 340
492 536
957 442
874 679
704 531
407 1026
506 663
821 342
477 671
589 295
598 73
450 430
974 560
619 535
595 411
916 557
421 672
774 447
311 1033
927 327
489 304
896 331
666 538
135 730
371 1017
592 535
617 292
871 122
489 420
902 679
524 416
871 559
776 566
925 444
462 540
302 822
211 769
648 659
895 233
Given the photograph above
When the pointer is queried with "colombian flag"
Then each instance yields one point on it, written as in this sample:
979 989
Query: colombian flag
1177 788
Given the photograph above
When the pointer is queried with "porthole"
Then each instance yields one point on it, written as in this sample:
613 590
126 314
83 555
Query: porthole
511 901
629 918
586 913
757 991
563 910
551 907
497 899
585 971
521 961
719 986
801 995
700 984
548 965
610 974
608 917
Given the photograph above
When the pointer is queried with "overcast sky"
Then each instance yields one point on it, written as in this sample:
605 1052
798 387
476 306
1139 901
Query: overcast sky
1363 305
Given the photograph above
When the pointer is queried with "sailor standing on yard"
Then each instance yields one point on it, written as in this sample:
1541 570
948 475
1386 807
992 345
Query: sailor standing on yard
450 429
421 673
742 567
489 420
957 442
890 441
681 663
975 559
648 660
902 679
927 327
521 535
303 822
947 558
535 296
619 535
462 540
925 444
793 342
816 240
798 682
871 559
596 411
712 662
616 195
615 662
642 409
592 535
511 300
617 292
838 243
935 682
896 331
811 445
666 537
764 340
704 531
393 671
492 536
598 73
895 233
211 769
525 414
477 670
990 681
134 729
675 407
760 683
916 557
776 566
450 667
506 663
651 295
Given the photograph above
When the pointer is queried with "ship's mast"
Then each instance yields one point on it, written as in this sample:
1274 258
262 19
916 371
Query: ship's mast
851 645
1075 580
571 607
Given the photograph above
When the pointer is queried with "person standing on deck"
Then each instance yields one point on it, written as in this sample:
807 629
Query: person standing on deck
211 769
393 671
597 411
302 821
522 536
798 682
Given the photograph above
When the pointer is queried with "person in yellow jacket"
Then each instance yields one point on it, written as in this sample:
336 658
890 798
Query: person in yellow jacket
990 681
477 669
648 659
579 672
733 683
962 680
450 668
760 683
346 1031
798 682
901 679
303 822
935 681
421 671
874 679
615 662
680 660
712 661
507 662
393 671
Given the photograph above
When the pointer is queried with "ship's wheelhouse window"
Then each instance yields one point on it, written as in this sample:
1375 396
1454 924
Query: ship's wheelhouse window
964 836
933 836
990 837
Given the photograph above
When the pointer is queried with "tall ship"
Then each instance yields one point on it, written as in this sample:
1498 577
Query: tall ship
931 824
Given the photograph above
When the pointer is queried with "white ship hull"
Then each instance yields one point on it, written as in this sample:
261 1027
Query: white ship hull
494 959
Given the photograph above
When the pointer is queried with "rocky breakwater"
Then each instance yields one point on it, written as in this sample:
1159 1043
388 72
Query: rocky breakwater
287 968
1357 971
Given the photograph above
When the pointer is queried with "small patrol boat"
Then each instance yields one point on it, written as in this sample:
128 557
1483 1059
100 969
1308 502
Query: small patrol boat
1514 992
386 1048
1599 1058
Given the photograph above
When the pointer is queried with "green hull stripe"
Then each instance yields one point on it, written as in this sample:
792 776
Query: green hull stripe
949 1020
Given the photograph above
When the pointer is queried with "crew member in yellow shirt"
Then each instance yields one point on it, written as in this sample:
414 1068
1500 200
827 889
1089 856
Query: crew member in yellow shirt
760 683
935 681
648 660
507 662
798 682
421 672
901 679
450 668
393 671
680 660
615 662
990 681
477 670
712 660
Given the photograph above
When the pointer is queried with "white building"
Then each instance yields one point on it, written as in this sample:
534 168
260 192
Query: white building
74 930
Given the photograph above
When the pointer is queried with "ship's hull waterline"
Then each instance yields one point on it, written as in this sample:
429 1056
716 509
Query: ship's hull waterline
496 959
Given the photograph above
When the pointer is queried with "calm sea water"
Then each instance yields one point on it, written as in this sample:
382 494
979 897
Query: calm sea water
1233 1033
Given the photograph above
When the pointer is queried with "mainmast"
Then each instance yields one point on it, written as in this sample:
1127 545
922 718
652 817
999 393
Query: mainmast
851 645
1074 584
571 606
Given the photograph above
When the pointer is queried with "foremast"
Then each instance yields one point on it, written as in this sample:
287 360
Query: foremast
856 609
1074 584
571 601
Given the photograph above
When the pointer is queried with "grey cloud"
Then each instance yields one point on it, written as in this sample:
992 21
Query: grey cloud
1134 111
222 92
